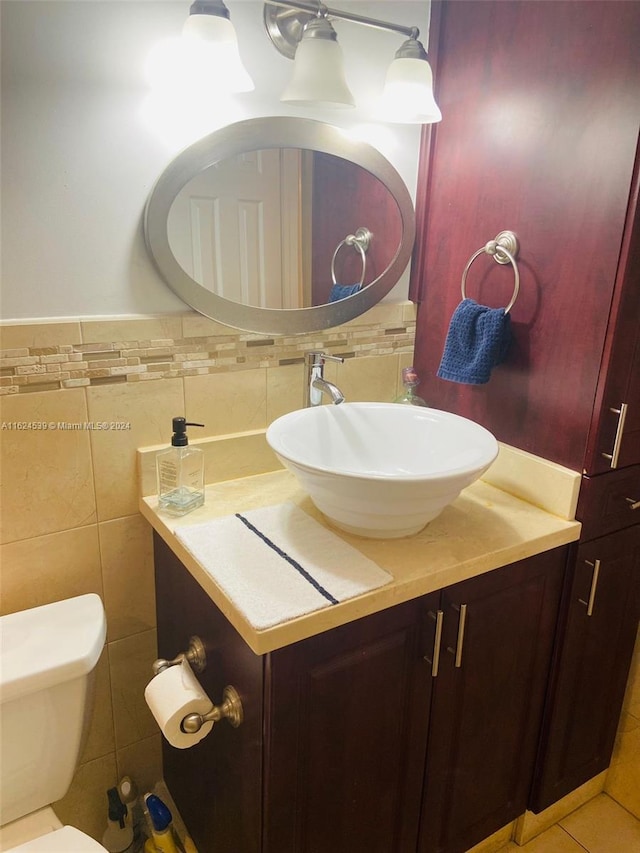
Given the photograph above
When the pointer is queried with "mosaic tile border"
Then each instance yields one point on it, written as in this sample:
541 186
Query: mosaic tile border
81 361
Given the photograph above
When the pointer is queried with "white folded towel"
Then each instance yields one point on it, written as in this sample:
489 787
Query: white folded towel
277 563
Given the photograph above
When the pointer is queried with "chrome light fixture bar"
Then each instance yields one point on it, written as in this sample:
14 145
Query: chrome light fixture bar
301 30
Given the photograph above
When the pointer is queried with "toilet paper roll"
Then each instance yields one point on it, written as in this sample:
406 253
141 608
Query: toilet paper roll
173 694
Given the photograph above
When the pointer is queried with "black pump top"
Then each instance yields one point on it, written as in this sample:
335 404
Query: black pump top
179 437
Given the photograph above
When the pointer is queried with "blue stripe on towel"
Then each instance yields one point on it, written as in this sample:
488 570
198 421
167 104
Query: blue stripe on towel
302 571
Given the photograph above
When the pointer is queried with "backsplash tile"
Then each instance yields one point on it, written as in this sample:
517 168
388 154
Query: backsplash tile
100 735
122 329
226 402
45 334
130 661
142 761
225 458
126 550
85 803
38 357
42 569
47 482
142 415
285 389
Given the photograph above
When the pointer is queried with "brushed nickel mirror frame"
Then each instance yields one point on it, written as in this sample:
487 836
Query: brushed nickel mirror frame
257 134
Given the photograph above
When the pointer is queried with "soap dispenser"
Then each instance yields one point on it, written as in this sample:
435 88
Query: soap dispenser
180 472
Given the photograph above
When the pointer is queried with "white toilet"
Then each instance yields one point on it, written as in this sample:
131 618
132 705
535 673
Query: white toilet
47 657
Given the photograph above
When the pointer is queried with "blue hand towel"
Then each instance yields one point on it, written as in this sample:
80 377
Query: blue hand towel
341 291
478 339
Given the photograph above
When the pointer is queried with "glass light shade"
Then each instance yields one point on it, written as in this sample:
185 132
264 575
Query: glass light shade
318 76
215 44
408 93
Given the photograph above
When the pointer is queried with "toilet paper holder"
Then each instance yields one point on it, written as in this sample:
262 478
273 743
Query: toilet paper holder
195 655
230 709
231 706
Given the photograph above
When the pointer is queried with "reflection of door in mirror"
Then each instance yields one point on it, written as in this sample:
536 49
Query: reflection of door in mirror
227 230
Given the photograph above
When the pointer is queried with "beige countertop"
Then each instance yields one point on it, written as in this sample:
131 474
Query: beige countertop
484 529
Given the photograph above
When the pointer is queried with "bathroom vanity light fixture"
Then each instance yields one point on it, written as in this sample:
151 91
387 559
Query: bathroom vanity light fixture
212 36
318 71
302 31
408 88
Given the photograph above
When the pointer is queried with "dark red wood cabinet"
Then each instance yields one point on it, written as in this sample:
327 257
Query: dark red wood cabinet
217 785
487 701
345 733
362 738
540 135
614 435
610 502
602 611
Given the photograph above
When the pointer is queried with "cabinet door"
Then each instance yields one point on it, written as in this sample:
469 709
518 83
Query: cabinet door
488 699
609 502
614 438
216 784
507 155
595 649
347 716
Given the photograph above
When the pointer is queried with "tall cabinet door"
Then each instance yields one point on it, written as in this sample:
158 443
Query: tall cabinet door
590 676
347 716
539 135
488 700
614 439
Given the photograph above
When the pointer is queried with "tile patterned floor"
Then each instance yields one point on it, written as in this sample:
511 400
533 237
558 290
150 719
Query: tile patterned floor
600 826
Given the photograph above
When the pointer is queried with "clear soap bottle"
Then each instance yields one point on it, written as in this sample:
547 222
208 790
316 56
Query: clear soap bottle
180 472
410 382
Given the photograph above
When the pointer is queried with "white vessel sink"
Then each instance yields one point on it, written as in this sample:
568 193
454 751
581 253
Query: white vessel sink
381 470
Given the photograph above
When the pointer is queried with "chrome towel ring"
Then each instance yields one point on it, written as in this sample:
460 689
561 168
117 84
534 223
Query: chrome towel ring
359 241
504 250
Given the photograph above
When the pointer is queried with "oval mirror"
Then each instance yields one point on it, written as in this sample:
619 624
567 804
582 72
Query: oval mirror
280 226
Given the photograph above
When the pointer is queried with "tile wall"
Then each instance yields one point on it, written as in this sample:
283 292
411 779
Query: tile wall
69 521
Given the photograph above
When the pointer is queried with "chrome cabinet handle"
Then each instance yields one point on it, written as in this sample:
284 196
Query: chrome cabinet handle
594 585
462 621
617 442
632 503
437 640
461 626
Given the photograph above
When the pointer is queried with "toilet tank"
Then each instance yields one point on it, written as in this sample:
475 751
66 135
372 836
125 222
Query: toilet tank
47 656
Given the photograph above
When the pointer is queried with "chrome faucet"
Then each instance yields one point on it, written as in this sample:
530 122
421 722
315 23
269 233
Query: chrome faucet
316 384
